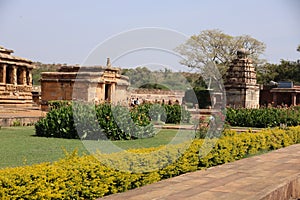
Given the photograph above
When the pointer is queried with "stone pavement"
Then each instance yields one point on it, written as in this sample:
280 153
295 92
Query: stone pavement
271 176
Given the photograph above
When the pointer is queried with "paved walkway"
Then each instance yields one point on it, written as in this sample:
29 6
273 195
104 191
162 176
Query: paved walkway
275 175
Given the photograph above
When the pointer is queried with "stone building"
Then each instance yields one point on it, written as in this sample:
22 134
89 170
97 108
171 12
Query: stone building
241 88
93 84
286 96
282 93
15 79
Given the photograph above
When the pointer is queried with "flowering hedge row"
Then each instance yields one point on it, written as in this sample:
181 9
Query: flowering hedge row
263 117
86 178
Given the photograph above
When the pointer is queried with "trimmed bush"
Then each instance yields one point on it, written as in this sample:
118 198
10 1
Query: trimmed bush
85 121
172 114
263 117
86 178
59 122
104 121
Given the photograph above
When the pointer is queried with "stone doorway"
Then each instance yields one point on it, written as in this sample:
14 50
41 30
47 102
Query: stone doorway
107 92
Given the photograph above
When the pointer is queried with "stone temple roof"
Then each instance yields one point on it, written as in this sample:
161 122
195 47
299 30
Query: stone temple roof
7 58
6 51
242 53
98 68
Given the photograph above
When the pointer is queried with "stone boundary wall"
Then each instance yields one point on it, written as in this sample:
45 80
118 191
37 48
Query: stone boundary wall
157 96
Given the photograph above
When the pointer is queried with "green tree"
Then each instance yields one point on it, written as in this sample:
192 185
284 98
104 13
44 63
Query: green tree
41 67
139 76
285 71
165 79
268 72
214 46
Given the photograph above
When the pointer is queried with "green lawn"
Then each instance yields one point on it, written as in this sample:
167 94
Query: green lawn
19 146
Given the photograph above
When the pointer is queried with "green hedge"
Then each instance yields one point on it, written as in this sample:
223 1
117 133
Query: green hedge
263 117
88 121
173 114
86 178
80 120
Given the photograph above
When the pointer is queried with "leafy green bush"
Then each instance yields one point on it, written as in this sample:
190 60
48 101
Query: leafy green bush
263 117
86 178
58 123
80 120
173 114
57 104
88 121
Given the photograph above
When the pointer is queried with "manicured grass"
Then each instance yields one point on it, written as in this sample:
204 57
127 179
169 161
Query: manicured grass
19 146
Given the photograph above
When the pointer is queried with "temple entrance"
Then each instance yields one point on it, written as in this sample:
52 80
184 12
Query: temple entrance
107 92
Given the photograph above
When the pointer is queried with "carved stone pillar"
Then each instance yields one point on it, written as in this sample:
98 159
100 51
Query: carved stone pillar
113 92
14 75
294 99
3 75
24 76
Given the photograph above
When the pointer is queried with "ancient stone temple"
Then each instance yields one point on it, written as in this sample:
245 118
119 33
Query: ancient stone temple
93 84
15 79
241 88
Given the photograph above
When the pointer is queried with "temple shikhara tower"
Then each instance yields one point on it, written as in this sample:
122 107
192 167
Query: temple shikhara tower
241 87
15 79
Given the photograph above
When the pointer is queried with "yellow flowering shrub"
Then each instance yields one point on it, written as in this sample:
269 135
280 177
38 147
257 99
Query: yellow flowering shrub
85 177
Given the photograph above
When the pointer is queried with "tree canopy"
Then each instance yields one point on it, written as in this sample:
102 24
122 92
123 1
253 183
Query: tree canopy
214 46
165 79
285 71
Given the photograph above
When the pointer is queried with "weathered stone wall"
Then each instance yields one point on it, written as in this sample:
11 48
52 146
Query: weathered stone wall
122 95
265 96
252 97
18 121
159 96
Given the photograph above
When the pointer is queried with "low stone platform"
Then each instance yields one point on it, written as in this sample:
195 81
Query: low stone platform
20 116
271 176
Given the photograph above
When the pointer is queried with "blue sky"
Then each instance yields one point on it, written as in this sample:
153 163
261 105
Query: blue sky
67 31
